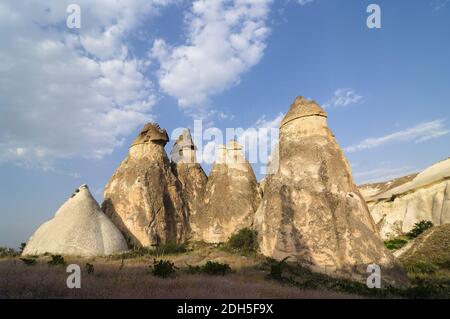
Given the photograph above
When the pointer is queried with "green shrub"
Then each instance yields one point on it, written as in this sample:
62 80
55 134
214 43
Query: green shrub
161 250
89 268
419 228
163 268
276 268
29 261
211 268
244 241
57 260
22 247
396 243
7 252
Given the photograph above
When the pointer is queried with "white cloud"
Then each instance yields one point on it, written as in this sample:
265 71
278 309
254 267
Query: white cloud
66 93
225 38
343 97
439 4
383 173
304 2
419 133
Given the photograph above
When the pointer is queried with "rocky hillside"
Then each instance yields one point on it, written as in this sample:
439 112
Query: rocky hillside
398 204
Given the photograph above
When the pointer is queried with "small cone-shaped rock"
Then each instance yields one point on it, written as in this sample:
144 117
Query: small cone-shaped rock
143 197
79 228
231 196
191 175
311 210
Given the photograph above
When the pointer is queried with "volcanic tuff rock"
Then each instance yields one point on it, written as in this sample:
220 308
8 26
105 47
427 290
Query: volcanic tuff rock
79 228
191 175
397 205
231 197
311 210
143 197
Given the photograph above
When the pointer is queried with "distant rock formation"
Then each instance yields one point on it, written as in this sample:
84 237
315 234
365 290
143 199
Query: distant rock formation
191 175
143 197
231 197
311 210
79 228
397 205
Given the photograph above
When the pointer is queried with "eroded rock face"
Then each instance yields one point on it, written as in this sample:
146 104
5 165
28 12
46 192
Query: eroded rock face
191 176
423 197
143 197
231 197
311 210
79 228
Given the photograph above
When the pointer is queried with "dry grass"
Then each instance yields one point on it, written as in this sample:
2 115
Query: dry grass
132 280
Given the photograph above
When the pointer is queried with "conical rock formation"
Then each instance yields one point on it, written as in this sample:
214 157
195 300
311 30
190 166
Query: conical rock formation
311 210
79 228
191 176
231 196
143 197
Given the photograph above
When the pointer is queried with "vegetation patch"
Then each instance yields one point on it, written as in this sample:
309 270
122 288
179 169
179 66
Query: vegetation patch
211 268
395 243
161 250
89 268
29 261
276 268
8 252
57 260
163 268
244 242
419 228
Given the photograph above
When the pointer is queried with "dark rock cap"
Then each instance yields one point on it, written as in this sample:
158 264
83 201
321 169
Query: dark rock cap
151 132
303 107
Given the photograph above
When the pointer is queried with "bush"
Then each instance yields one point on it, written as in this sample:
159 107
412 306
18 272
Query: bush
22 247
161 250
419 228
276 268
396 243
211 268
29 261
163 268
244 241
57 260
89 268
7 252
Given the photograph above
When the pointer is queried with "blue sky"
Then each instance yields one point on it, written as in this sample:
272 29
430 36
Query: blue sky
72 100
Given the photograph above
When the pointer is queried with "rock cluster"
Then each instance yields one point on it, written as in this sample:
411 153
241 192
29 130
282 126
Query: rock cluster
79 228
307 208
143 197
311 210
426 196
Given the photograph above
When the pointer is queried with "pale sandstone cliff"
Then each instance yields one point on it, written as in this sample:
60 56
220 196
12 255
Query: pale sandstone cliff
426 196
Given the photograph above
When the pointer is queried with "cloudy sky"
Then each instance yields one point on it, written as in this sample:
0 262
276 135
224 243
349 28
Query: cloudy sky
71 100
